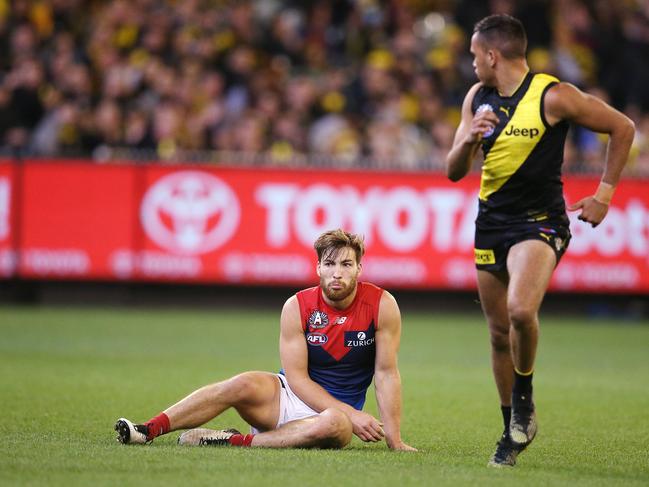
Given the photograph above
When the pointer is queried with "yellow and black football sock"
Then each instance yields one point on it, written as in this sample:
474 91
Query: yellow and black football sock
523 381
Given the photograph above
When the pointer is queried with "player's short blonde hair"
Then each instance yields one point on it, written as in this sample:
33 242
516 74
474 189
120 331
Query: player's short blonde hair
330 243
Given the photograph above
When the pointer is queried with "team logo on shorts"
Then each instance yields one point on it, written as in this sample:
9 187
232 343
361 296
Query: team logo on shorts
318 319
484 256
558 244
317 339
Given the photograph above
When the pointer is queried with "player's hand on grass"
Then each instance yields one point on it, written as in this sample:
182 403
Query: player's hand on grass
401 446
592 211
366 426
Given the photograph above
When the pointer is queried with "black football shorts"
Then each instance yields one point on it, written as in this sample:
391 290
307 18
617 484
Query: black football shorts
492 244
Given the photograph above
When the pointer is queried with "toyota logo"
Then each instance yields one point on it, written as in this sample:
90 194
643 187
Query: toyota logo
190 212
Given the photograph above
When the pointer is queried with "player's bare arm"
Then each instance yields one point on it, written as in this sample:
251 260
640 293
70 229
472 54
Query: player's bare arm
294 357
468 137
566 102
386 376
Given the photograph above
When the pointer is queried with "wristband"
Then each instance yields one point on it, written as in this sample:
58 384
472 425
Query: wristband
604 193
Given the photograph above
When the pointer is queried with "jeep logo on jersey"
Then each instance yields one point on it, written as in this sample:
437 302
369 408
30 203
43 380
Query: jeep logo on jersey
190 212
358 339
318 319
316 339
515 131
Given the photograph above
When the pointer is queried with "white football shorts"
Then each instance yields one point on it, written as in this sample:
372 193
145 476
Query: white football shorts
291 407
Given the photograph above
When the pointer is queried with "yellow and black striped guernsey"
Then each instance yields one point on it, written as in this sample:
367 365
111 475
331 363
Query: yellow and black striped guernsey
521 173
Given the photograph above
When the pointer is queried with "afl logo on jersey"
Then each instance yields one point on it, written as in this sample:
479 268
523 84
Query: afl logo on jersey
318 319
316 339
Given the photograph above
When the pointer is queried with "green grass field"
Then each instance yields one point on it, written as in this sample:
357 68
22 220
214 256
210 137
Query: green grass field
67 374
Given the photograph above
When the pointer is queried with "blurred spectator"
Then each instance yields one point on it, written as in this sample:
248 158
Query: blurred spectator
345 82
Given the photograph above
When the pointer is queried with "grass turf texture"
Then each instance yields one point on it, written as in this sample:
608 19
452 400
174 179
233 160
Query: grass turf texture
66 375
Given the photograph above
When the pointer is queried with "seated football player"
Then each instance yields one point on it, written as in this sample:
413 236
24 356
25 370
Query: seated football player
334 338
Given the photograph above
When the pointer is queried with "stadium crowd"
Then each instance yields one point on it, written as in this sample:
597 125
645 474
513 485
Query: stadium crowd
358 82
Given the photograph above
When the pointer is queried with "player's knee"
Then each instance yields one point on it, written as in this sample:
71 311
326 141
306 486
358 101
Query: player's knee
499 339
521 316
241 387
333 429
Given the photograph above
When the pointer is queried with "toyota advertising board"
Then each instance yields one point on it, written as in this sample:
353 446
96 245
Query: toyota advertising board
72 217
258 226
226 225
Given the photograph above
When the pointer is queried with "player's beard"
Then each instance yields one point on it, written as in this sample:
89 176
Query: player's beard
338 294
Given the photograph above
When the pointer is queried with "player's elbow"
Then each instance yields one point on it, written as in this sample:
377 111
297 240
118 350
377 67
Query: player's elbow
625 129
630 128
454 176
453 172
298 381
456 167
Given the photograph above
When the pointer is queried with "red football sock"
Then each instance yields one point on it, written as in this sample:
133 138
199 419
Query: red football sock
241 440
157 426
